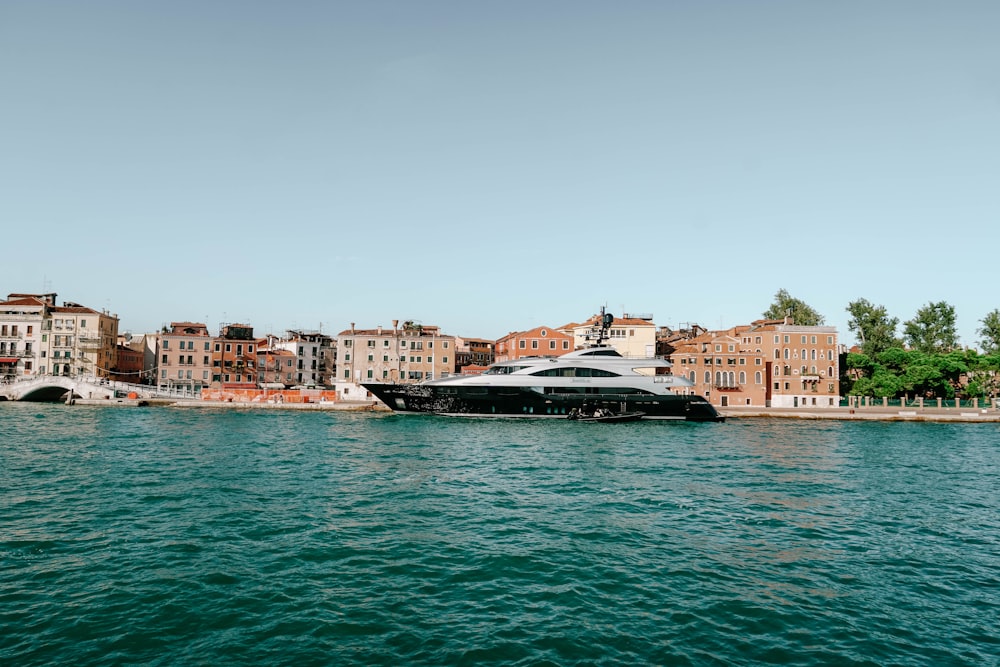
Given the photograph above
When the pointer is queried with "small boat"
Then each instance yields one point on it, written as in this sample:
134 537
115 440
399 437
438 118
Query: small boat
608 417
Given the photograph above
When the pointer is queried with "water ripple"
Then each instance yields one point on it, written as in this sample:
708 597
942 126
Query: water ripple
170 537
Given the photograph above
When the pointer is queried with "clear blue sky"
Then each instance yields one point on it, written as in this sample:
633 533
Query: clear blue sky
488 167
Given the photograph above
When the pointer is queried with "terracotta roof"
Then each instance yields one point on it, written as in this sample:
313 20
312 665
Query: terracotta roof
73 309
22 300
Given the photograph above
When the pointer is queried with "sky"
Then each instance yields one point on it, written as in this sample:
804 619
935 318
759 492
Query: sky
489 167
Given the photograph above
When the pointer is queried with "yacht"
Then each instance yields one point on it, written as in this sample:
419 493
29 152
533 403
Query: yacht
586 380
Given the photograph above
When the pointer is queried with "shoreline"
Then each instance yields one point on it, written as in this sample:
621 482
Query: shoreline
872 413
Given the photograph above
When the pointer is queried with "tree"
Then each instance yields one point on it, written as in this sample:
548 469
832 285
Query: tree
873 324
990 332
785 304
932 329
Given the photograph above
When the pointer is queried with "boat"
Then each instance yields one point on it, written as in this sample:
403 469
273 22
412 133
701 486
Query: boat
606 416
553 387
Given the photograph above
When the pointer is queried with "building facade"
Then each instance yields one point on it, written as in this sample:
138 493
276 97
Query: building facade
630 336
39 337
407 353
234 358
477 352
770 363
537 342
184 357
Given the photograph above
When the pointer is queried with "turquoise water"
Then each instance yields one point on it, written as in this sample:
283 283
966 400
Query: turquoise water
163 536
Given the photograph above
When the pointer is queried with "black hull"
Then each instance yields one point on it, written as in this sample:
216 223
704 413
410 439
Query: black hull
515 402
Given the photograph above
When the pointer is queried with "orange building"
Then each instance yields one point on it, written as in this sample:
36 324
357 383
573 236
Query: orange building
537 342
770 363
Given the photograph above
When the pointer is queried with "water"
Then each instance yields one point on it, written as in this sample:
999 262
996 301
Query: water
163 536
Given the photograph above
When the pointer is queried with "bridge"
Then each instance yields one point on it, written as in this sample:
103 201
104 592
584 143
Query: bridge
58 388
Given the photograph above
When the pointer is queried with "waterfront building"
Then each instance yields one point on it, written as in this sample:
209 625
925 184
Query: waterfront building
39 337
472 352
629 335
130 363
315 359
184 357
275 365
408 353
769 363
537 342
234 358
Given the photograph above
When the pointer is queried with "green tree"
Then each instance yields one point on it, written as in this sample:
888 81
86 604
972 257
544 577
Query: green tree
873 325
932 329
801 312
990 332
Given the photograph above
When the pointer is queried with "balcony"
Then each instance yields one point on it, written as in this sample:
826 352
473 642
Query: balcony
89 342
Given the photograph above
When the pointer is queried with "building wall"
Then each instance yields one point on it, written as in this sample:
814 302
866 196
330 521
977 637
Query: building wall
630 337
537 342
408 355
762 365
184 357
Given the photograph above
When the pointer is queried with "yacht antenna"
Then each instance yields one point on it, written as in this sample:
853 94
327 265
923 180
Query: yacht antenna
601 329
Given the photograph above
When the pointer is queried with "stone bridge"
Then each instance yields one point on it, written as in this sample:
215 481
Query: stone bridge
57 387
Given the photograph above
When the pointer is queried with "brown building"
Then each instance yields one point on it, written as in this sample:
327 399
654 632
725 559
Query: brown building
130 364
275 367
234 358
770 363
184 355
472 352
538 342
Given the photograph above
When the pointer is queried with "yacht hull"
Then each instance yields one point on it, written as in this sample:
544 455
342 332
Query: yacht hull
480 401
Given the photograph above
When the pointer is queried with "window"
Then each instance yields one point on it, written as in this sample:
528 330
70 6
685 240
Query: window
552 345
164 359
565 344
444 360
708 377
444 344
29 329
534 345
757 378
521 344
166 343
743 377
803 340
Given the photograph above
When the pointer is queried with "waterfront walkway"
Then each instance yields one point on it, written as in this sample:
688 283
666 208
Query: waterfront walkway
881 413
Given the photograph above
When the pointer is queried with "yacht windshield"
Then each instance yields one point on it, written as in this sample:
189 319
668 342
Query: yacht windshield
502 370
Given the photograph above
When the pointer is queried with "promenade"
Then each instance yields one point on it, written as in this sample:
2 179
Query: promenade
877 413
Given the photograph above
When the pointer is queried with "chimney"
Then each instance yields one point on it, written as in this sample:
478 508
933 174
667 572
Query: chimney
379 330
352 327
395 323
